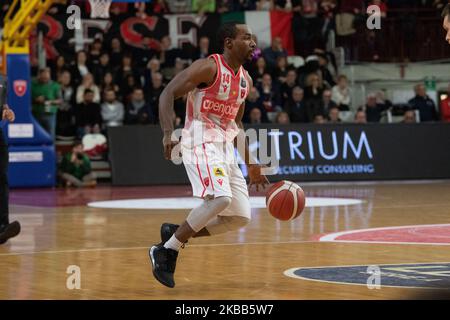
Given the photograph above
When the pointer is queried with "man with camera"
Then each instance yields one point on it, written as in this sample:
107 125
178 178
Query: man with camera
75 169
7 230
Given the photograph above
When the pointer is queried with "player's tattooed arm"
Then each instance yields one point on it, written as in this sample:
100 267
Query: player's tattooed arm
201 71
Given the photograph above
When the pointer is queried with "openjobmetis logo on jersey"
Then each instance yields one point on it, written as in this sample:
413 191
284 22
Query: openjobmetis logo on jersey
220 108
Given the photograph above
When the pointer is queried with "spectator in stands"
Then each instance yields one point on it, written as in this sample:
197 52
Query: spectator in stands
360 117
260 68
373 109
269 93
288 85
341 94
87 114
280 71
311 66
445 107
255 116
46 97
282 118
80 68
327 12
313 94
102 68
125 70
424 104
88 83
137 110
264 5
319 119
295 107
272 53
155 91
116 53
180 65
382 100
203 50
167 55
75 169
254 101
65 115
323 69
153 66
346 25
127 90
311 27
409 116
59 67
333 115
95 52
107 83
327 103
112 110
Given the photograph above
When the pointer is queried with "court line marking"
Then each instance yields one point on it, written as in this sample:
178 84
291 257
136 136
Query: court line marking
290 273
147 247
140 211
332 236
197 245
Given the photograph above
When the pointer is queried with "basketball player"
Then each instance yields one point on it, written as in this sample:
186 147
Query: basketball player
7 230
446 24
217 87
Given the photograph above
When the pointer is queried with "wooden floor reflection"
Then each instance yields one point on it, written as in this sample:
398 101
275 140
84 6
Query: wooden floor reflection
110 245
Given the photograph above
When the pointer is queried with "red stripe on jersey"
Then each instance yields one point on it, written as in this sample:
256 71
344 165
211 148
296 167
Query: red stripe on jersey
199 173
207 166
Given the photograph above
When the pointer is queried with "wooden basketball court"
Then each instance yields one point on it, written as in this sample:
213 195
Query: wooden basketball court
110 246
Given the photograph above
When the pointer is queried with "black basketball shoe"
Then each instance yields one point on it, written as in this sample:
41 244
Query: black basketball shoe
163 262
167 231
8 231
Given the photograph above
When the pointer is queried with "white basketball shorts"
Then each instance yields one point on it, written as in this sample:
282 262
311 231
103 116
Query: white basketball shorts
213 171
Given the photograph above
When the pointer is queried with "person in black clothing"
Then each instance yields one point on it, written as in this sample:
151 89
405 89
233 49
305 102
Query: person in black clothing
288 85
326 102
102 67
374 109
87 114
254 101
7 230
137 110
295 107
423 103
155 91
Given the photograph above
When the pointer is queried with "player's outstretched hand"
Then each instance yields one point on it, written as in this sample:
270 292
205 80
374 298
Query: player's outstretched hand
256 178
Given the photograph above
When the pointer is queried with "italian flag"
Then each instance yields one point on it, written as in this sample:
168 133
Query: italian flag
266 25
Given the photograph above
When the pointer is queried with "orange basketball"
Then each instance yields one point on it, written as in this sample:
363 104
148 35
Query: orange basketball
285 200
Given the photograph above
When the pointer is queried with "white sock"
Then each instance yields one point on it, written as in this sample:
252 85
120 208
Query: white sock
173 244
